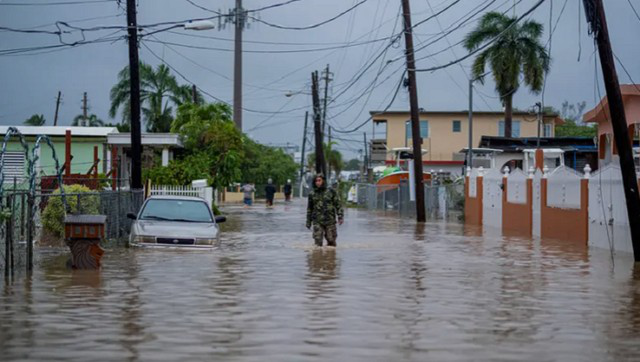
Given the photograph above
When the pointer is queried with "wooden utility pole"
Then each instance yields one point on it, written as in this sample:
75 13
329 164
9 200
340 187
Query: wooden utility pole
365 161
84 109
329 150
596 17
327 79
415 113
237 65
320 163
304 144
55 116
134 77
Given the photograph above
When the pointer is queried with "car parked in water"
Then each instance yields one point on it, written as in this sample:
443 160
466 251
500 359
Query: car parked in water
175 222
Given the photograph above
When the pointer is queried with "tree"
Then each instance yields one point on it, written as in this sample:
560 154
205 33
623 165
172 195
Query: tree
35 120
516 51
573 112
352 165
120 126
159 90
91 121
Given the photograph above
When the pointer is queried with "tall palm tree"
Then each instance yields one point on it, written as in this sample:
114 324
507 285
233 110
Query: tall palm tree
516 51
159 90
91 121
35 120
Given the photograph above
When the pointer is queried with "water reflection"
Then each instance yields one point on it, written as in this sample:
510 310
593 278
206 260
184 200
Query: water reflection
393 290
321 303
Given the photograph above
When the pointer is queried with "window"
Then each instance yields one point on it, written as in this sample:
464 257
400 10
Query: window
14 166
548 130
457 126
515 129
424 129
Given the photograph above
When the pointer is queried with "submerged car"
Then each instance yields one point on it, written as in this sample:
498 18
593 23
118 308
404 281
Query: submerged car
175 221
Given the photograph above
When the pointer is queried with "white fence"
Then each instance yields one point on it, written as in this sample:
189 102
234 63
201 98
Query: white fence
564 188
492 198
608 219
205 193
517 187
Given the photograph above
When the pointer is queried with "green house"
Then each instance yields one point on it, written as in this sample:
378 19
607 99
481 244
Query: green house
84 143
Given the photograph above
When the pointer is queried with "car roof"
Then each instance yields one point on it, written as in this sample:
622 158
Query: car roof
175 197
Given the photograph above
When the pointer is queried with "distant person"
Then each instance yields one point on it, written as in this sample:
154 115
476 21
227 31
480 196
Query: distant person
248 190
288 189
322 210
270 192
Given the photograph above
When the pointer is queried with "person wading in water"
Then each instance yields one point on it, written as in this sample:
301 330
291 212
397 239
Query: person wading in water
323 208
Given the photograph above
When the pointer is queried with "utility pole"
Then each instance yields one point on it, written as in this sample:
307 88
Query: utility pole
365 161
134 80
304 144
320 164
327 79
84 109
539 120
594 10
470 149
239 22
55 117
329 148
415 113
194 93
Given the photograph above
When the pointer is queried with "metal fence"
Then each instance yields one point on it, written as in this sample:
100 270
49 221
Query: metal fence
442 202
21 230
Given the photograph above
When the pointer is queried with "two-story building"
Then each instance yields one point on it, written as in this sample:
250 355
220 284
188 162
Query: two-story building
607 150
445 133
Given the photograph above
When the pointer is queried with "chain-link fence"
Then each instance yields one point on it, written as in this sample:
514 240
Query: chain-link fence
442 202
43 225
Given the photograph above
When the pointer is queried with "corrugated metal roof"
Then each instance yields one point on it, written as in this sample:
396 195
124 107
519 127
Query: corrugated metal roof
60 131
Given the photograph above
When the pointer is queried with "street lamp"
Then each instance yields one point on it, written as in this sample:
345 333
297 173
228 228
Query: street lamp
199 25
470 150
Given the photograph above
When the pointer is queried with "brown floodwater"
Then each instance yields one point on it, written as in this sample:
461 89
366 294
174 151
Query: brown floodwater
391 291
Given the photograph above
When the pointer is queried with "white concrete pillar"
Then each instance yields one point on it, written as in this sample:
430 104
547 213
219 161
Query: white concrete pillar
165 156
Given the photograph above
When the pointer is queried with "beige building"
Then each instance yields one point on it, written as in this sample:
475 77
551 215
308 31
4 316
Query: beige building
445 133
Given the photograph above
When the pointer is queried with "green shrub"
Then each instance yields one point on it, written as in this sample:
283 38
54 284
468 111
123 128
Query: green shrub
53 214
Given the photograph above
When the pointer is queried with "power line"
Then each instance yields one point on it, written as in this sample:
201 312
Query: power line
634 9
385 109
309 26
274 51
58 3
486 45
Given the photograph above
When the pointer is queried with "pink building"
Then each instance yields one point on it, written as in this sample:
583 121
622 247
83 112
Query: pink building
607 151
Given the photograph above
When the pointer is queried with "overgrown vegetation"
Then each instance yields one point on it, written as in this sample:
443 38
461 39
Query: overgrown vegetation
53 214
215 150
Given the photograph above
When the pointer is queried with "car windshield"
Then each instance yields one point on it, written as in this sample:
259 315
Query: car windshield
176 210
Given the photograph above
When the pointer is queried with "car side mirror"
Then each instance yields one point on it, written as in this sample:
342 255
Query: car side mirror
220 219
132 216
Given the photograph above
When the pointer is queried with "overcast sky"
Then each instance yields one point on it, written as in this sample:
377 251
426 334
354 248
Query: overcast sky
29 82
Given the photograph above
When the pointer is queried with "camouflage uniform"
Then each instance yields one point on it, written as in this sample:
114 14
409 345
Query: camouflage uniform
322 209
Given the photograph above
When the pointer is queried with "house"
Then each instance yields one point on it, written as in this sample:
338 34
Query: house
85 140
120 149
445 133
607 150
92 151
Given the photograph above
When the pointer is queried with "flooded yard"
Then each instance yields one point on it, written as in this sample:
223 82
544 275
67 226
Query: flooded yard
391 291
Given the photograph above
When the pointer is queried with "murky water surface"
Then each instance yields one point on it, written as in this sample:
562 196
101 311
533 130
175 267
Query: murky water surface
391 291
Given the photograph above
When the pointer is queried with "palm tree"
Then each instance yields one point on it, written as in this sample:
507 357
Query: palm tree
91 121
35 120
516 51
158 90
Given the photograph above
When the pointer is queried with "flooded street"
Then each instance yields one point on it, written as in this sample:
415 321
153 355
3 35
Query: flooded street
391 291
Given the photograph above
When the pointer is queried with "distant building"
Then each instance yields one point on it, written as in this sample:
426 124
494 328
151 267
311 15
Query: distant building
607 150
445 133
